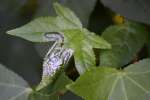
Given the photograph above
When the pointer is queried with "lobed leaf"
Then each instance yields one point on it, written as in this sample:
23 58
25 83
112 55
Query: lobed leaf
83 42
106 83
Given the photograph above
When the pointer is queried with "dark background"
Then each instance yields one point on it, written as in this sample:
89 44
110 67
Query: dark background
25 58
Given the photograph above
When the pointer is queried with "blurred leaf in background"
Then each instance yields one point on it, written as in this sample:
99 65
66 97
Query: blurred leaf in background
12 86
127 40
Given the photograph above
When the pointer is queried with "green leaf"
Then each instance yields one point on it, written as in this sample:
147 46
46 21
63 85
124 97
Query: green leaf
104 83
12 86
126 41
53 90
83 42
35 30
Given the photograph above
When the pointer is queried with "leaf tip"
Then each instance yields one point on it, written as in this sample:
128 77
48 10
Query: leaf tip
10 32
57 6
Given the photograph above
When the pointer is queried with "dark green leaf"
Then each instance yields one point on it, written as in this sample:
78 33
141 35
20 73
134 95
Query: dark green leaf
12 86
126 41
105 83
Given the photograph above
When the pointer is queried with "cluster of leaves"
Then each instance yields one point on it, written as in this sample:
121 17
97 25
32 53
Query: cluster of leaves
113 79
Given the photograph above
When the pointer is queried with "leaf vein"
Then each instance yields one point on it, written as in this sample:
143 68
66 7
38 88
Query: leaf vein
138 85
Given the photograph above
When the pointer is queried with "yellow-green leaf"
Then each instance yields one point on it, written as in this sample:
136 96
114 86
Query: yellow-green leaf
106 83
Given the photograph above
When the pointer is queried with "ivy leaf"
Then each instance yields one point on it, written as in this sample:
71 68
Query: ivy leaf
126 40
76 37
12 86
83 42
104 83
